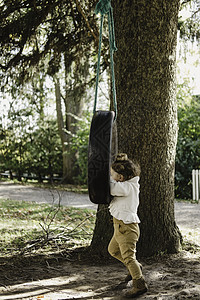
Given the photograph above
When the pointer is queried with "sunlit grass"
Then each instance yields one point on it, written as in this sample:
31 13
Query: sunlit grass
27 226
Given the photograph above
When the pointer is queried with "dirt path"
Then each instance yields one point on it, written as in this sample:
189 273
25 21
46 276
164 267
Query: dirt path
29 193
173 277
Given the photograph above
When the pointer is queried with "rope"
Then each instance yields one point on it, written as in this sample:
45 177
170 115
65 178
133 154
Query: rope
104 7
98 64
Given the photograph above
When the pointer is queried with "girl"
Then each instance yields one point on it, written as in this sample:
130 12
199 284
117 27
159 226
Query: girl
124 187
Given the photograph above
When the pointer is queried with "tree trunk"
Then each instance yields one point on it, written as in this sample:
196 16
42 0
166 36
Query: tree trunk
76 76
147 114
61 126
103 232
73 101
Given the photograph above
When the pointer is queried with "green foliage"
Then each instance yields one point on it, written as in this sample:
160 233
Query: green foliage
36 34
188 146
45 150
189 26
37 150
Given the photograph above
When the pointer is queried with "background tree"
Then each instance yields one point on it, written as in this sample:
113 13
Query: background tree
188 146
188 62
190 27
42 36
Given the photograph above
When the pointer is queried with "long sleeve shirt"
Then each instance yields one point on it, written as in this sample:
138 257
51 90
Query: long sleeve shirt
125 203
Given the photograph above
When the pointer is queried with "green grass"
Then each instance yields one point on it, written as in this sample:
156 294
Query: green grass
29 227
185 200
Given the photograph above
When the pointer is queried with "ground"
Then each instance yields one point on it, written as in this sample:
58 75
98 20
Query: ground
168 277
77 276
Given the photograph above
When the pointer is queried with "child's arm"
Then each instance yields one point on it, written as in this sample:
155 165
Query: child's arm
119 188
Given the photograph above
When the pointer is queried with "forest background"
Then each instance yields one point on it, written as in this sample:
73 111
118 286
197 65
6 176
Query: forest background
48 68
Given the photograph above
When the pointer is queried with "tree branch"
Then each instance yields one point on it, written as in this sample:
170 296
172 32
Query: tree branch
86 21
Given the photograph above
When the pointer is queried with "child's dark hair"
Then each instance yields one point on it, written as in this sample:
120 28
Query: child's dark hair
126 167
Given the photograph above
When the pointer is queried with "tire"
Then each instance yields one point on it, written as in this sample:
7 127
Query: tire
99 157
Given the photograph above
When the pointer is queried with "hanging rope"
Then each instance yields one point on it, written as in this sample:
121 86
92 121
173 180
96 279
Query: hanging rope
104 7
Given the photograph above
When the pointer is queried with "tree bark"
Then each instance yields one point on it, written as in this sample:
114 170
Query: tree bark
102 233
61 126
147 114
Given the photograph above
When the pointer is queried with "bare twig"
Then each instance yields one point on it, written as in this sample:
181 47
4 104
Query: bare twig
50 236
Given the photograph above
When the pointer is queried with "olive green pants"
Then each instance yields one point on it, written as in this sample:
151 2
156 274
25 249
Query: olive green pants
123 246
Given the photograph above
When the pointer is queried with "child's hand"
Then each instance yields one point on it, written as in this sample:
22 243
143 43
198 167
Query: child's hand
116 176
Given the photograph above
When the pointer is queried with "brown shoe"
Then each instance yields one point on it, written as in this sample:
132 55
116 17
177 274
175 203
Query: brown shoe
139 288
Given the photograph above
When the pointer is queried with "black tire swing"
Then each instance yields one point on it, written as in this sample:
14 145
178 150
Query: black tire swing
103 122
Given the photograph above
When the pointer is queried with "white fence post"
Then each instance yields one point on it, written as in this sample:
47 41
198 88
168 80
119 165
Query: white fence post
199 185
195 184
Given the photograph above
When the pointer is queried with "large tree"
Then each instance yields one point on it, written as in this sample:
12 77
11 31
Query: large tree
146 33
145 81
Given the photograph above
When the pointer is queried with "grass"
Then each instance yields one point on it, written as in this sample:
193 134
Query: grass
29 227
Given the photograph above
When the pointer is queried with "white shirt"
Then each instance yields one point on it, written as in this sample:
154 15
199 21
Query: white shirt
126 200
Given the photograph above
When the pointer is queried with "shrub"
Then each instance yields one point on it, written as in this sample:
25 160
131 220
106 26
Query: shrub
188 145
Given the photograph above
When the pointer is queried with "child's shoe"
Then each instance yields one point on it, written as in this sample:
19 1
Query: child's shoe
139 288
